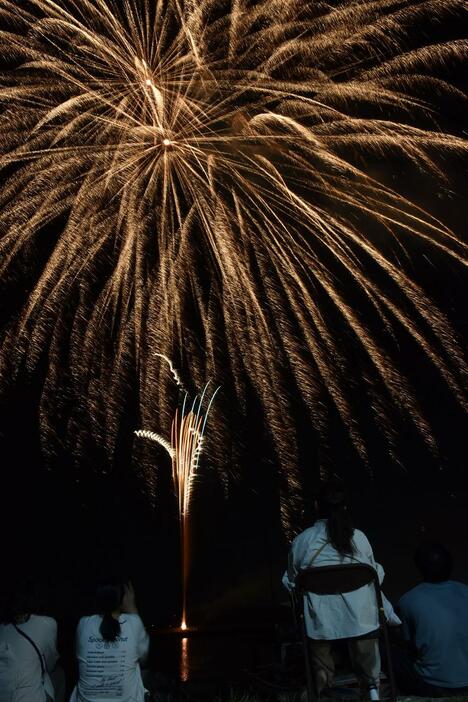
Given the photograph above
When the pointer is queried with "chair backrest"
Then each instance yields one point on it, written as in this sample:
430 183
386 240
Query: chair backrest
335 579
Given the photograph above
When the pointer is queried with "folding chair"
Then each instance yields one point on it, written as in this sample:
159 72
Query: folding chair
336 580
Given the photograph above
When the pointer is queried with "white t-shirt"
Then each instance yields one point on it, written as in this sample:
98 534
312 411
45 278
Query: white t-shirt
435 619
344 616
20 668
110 670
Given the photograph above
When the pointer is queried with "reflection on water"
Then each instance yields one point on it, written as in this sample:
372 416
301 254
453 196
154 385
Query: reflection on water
194 654
184 659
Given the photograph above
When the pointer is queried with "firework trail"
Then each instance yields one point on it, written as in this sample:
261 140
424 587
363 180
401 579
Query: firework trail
185 447
190 177
173 370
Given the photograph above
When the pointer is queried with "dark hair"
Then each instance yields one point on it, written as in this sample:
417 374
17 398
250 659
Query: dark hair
23 598
109 596
434 562
333 507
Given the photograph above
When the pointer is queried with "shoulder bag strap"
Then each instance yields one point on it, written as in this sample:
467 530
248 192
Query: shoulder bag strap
318 552
36 648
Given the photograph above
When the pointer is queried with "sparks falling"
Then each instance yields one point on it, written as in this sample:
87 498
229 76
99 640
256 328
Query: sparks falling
204 167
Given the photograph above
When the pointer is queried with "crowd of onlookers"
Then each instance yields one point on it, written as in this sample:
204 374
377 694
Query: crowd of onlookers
429 625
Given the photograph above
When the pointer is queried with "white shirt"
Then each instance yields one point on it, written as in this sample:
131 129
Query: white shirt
20 668
435 619
110 670
331 617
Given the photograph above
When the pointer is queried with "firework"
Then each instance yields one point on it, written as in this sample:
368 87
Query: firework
201 167
187 434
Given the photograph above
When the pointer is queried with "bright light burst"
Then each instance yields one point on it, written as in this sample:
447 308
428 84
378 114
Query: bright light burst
204 164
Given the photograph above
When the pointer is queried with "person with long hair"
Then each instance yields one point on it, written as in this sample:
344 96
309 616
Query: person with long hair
28 648
110 646
352 616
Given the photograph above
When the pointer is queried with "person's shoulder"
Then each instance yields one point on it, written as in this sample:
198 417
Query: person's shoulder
4 629
360 534
132 618
413 595
312 530
43 621
41 627
131 622
360 539
89 620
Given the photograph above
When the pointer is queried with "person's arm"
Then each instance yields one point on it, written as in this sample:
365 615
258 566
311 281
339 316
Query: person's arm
143 642
365 550
79 628
297 557
49 645
407 639
142 639
393 620
129 602
290 573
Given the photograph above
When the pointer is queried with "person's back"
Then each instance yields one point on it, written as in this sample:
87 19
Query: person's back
435 622
110 647
435 619
351 616
335 616
27 650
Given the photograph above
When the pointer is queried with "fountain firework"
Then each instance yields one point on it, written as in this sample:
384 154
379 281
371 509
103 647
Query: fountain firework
187 434
201 168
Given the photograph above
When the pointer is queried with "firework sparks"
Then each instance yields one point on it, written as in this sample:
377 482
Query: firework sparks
202 163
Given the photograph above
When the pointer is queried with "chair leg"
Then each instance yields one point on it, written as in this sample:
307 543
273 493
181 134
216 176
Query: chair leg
312 695
391 677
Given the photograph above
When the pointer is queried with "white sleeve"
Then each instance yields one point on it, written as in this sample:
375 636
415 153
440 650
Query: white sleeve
366 552
49 645
142 640
289 574
78 636
296 558
391 616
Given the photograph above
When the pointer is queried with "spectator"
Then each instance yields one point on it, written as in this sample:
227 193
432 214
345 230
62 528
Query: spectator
110 647
28 650
435 626
352 616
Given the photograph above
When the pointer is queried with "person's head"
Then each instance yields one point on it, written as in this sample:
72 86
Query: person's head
332 506
434 562
109 597
23 600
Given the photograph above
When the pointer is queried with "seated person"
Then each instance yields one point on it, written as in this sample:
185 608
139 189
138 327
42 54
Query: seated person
435 625
353 616
28 650
110 646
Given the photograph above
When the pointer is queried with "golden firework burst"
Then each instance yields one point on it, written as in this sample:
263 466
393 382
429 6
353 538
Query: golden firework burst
200 164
